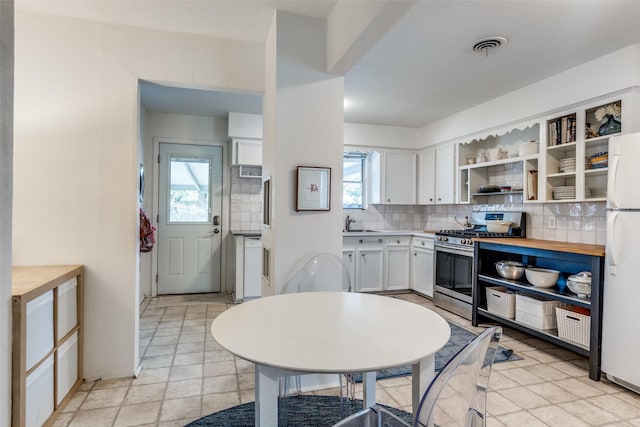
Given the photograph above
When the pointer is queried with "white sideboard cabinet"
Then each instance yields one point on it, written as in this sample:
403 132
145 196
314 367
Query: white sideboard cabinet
47 341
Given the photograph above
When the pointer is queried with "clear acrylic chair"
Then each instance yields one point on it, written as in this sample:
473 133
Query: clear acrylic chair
323 272
457 396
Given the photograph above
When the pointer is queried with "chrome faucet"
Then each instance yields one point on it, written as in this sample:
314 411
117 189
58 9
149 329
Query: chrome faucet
347 223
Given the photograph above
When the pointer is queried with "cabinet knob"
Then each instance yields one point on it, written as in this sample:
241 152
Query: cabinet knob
350 255
388 200
415 254
439 198
431 199
398 241
363 255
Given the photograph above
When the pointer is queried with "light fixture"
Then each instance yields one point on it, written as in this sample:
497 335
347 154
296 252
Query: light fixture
486 44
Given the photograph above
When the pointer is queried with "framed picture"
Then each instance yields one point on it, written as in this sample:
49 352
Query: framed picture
313 192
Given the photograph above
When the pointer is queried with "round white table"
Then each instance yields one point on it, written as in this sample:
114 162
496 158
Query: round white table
330 332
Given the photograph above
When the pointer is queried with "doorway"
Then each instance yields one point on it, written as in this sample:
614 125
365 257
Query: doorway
189 218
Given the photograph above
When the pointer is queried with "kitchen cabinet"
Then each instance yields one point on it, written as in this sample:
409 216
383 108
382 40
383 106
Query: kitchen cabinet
422 265
245 125
436 175
368 264
568 258
399 178
570 174
47 340
349 261
397 263
500 160
246 152
246 265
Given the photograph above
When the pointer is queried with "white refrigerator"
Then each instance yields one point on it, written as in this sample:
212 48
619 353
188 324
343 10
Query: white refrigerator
621 299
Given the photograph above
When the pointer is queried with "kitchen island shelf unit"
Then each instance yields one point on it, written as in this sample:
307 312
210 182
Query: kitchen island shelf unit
568 258
555 293
550 335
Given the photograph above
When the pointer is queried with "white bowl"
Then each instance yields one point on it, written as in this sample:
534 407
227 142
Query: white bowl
541 277
526 148
497 226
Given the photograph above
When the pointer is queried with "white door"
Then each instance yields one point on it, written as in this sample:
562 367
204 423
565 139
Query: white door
189 225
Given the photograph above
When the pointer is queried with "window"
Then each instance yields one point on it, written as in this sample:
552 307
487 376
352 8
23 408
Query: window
189 190
353 181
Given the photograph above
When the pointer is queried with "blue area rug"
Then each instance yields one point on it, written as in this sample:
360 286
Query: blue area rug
315 411
459 338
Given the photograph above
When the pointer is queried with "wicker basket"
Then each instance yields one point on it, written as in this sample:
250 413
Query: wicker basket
574 327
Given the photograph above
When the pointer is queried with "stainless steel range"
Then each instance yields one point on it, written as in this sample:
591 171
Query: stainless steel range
454 263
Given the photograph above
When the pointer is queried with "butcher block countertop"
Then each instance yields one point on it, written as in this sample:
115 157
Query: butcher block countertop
550 245
39 279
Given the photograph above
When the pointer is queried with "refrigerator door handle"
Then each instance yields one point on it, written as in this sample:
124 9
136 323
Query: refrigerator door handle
613 170
611 231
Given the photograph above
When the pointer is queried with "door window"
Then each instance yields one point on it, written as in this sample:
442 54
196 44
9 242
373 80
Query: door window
189 199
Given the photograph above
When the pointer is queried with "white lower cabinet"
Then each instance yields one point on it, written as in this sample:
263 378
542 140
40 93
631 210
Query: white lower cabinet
349 261
364 259
422 266
398 263
369 269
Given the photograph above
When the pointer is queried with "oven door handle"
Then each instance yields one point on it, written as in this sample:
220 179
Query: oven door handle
450 250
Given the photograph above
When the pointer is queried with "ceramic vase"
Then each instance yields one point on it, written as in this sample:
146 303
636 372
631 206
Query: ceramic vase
610 126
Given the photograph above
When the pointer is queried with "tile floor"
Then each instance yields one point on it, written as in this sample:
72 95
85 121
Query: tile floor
187 375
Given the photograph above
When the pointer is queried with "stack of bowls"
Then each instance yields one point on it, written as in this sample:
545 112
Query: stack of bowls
580 284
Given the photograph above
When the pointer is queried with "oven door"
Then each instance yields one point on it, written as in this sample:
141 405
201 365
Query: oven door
454 272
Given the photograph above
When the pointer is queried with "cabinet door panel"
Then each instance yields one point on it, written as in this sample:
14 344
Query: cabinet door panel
445 174
398 268
427 177
369 269
422 271
39 328
400 178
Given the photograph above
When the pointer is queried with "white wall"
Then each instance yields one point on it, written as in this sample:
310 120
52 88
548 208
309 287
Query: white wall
303 126
613 72
377 136
76 155
6 190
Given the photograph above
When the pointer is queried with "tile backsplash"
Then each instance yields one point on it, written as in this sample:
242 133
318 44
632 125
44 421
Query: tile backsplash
246 202
566 222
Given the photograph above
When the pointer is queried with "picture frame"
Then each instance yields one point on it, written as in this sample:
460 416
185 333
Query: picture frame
313 188
266 202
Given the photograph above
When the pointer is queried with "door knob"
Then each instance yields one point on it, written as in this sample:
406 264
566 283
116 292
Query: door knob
216 230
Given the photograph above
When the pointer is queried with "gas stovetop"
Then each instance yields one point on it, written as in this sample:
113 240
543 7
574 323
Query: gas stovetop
477 227
468 234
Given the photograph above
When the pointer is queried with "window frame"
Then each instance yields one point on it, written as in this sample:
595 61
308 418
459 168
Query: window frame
362 181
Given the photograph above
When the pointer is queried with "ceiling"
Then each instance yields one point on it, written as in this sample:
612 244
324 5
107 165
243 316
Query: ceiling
420 71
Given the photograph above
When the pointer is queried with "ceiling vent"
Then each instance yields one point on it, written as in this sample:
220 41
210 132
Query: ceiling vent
488 44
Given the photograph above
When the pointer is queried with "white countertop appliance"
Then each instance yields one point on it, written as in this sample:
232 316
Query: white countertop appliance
620 314
454 263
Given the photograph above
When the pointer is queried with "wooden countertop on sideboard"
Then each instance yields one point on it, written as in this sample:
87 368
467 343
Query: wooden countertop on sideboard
550 245
40 278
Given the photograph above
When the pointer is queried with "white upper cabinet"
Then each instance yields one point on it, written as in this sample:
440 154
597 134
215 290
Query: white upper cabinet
399 178
243 125
437 175
247 152
427 177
